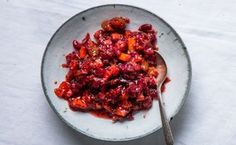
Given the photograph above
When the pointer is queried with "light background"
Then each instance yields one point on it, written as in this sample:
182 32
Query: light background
207 27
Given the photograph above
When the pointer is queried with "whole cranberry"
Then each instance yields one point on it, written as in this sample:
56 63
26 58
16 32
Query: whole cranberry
76 44
98 34
145 27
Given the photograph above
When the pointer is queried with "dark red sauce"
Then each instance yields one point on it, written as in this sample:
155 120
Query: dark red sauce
114 76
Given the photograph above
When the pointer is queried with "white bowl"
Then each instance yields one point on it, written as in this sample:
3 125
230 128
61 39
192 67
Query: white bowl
171 48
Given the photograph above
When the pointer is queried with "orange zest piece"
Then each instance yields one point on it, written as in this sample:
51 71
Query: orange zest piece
124 57
140 97
111 71
152 71
82 52
131 42
116 36
114 70
78 104
121 112
144 65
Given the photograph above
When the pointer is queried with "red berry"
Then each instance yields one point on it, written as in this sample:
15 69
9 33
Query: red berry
76 44
145 27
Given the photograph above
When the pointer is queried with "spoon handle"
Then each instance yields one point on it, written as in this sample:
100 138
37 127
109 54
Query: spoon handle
165 123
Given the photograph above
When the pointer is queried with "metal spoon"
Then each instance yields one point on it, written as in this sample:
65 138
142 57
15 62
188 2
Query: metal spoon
162 72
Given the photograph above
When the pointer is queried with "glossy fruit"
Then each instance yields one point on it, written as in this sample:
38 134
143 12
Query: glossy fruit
124 57
113 76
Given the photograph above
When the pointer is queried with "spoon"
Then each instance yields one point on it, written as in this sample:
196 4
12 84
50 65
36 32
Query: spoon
162 72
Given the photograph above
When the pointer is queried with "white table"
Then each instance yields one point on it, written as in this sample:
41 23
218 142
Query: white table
207 27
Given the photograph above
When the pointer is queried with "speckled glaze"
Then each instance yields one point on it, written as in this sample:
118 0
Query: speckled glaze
171 47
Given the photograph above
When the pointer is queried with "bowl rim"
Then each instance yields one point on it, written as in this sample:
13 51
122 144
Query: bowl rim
128 138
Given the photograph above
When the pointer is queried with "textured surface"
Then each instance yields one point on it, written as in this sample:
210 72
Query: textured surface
208 29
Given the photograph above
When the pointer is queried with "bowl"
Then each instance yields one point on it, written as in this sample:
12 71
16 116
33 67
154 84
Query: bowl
171 47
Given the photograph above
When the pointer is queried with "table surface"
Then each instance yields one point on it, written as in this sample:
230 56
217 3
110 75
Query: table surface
207 27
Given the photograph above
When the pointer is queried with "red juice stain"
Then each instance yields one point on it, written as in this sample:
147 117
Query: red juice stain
100 114
163 87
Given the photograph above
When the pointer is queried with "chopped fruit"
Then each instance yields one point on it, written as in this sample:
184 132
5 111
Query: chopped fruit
107 26
77 104
114 75
82 52
98 63
121 112
131 43
98 34
73 64
59 92
116 36
124 57
119 22
144 65
140 97
121 45
124 96
111 71
152 71
64 90
114 70
93 51
137 58
98 106
127 33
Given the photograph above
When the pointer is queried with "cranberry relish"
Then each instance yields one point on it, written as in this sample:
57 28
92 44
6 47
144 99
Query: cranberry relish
114 75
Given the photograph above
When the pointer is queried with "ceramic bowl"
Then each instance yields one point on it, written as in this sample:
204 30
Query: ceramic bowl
171 47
